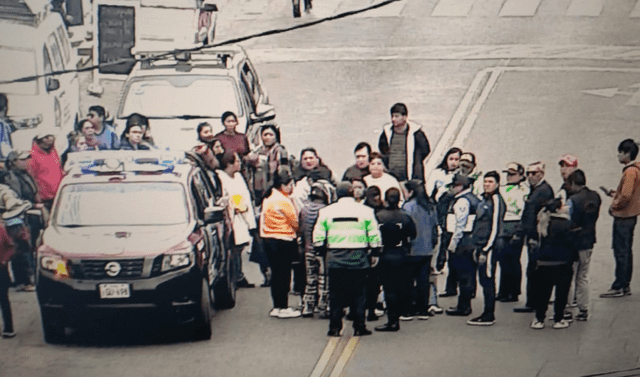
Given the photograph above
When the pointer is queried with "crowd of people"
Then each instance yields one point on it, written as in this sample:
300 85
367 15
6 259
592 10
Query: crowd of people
335 243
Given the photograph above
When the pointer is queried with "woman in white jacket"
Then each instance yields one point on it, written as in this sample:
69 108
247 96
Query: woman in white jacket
443 174
241 212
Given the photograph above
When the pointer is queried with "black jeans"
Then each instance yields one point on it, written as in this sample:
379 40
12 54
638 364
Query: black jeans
488 284
510 268
544 279
373 289
347 287
5 306
462 261
622 250
531 267
394 277
280 254
419 270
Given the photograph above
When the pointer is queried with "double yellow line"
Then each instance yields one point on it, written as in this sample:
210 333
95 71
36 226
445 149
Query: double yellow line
335 357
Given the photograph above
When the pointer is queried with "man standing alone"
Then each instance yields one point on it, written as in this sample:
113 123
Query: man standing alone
625 209
404 146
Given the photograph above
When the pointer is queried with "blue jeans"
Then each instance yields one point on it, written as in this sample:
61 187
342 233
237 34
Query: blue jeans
622 250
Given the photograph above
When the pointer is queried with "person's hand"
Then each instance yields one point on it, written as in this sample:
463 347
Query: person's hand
482 258
533 244
374 261
451 249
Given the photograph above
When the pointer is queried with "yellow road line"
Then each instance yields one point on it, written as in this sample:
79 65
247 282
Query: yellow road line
325 357
344 358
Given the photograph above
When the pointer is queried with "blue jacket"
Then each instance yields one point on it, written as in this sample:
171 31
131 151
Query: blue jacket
426 227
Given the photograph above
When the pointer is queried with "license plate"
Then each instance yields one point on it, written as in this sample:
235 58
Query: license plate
114 291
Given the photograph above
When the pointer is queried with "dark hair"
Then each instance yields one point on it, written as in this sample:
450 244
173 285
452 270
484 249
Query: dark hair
227 114
418 193
374 155
629 146
443 165
356 179
399 108
392 197
4 102
200 127
370 197
128 128
363 145
308 149
318 193
80 123
136 119
577 178
98 110
227 159
493 174
275 129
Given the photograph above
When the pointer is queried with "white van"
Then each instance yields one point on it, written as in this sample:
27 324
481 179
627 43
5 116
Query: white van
34 46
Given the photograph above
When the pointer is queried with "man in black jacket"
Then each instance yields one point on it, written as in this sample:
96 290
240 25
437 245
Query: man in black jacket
585 208
404 146
486 228
540 194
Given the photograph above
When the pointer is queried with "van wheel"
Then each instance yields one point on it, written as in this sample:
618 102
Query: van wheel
224 291
52 330
202 322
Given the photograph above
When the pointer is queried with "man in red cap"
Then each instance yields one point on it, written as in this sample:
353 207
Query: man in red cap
568 164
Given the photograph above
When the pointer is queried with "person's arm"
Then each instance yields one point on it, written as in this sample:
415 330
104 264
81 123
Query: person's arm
624 194
423 144
290 213
495 221
383 145
374 238
461 213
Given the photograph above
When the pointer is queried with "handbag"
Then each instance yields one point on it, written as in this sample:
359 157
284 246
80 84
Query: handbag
240 230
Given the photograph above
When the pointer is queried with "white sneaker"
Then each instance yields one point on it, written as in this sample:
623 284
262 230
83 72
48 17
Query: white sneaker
561 325
289 313
435 309
274 312
538 325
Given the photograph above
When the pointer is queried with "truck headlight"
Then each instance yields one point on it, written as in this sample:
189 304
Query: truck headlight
176 261
55 264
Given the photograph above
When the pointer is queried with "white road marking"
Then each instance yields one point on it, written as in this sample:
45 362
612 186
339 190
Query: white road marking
590 8
452 8
345 357
635 13
519 8
482 52
325 357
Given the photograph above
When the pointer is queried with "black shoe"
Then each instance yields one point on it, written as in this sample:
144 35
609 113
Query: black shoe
509 298
524 309
244 284
389 327
483 320
334 332
448 294
361 332
458 313
372 317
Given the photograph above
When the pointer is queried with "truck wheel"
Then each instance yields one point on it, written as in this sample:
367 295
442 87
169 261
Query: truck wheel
52 330
202 322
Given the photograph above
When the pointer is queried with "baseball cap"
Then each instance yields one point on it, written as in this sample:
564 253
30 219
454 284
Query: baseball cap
41 133
514 167
536 167
468 157
569 159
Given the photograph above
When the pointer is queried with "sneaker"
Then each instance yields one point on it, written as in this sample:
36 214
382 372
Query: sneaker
274 312
561 325
435 309
289 313
8 334
613 293
582 316
538 325
573 304
406 317
481 321
627 291
27 288
568 316
423 316
378 312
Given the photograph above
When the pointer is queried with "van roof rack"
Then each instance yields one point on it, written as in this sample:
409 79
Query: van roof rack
27 12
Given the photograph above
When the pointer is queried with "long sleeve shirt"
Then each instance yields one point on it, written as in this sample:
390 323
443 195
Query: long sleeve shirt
626 200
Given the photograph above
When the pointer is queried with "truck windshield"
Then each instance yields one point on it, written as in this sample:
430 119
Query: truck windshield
191 95
11 71
117 204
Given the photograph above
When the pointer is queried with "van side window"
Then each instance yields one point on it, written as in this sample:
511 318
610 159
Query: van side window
55 51
64 41
48 68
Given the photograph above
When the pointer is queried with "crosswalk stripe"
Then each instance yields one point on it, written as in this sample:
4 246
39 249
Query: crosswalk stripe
590 8
635 13
452 8
519 8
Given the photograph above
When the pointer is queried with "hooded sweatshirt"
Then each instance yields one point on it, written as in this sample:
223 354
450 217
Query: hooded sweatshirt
46 170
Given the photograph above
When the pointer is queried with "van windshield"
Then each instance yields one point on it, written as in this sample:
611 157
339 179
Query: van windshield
199 95
11 71
110 204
